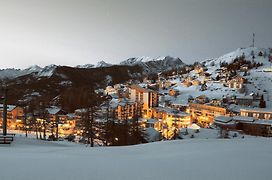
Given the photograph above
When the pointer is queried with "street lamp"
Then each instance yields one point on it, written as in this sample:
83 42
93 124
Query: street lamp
4 99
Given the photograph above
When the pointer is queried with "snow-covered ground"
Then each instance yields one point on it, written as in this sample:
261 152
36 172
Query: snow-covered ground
248 158
261 82
260 79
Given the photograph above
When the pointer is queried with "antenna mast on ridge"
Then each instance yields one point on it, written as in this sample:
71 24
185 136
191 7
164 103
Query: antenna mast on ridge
253 40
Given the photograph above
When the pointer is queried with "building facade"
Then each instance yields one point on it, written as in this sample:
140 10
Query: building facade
147 97
14 116
204 114
257 113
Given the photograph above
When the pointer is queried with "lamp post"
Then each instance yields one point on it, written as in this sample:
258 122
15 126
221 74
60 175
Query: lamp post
4 98
57 127
25 119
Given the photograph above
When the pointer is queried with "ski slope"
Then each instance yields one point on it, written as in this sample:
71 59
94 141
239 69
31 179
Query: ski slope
230 159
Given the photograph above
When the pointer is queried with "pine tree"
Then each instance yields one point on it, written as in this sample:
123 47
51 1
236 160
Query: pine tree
88 123
262 102
109 128
252 54
137 134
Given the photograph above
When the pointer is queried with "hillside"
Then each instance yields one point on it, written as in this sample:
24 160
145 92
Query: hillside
51 82
46 85
259 78
248 53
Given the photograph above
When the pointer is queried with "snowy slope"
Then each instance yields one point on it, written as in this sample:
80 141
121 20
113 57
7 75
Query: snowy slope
103 64
12 73
259 81
86 66
231 159
247 52
47 71
36 70
98 65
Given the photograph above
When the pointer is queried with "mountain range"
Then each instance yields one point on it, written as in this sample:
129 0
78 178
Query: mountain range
149 65
51 83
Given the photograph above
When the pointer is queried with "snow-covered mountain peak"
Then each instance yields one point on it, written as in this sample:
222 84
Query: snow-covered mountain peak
47 71
34 68
143 59
102 64
85 66
136 60
154 65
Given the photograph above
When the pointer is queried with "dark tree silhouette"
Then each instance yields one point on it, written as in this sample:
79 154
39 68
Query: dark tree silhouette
262 102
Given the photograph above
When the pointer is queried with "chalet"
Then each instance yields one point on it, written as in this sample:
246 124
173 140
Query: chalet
173 92
206 76
236 82
187 83
14 116
70 125
165 84
244 68
244 100
55 112
196 82
200 69
202 99
67 123
110 90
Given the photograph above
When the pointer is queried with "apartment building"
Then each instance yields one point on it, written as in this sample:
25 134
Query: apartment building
204 114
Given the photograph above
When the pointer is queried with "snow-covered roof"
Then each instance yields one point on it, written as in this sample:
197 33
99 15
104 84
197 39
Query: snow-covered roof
83 110
234 108
9 107
243 118
264 110
71 115
244 97
227 119
152 135
224 119
53 110
124 102
193 126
